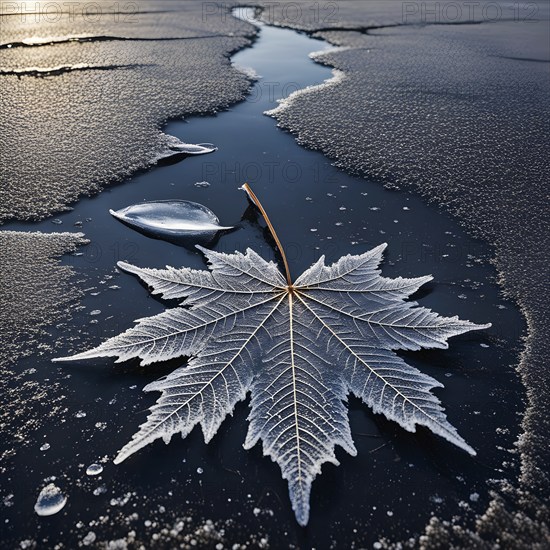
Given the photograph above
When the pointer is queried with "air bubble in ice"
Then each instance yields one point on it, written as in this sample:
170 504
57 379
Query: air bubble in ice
50 501
94 469
89 539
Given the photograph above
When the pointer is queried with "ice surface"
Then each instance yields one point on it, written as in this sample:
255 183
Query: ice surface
50 501
152 68
35 292
360 18
459 113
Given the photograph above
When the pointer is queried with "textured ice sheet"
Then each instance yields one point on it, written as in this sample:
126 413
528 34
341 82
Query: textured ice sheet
368 15
513 520
81 124
342 14
36 291
460 114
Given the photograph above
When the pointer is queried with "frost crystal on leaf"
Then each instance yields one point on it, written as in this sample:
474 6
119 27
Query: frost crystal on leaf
298 349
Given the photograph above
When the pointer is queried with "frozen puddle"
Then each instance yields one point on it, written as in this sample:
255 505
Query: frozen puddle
317 210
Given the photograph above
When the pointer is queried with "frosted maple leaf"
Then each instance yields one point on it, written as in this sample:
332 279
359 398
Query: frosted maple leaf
300 348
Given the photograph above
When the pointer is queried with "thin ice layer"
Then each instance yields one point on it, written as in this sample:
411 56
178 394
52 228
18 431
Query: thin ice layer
82 129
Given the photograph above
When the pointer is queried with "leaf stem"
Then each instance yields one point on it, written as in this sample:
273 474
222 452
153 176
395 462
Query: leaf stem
257 202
